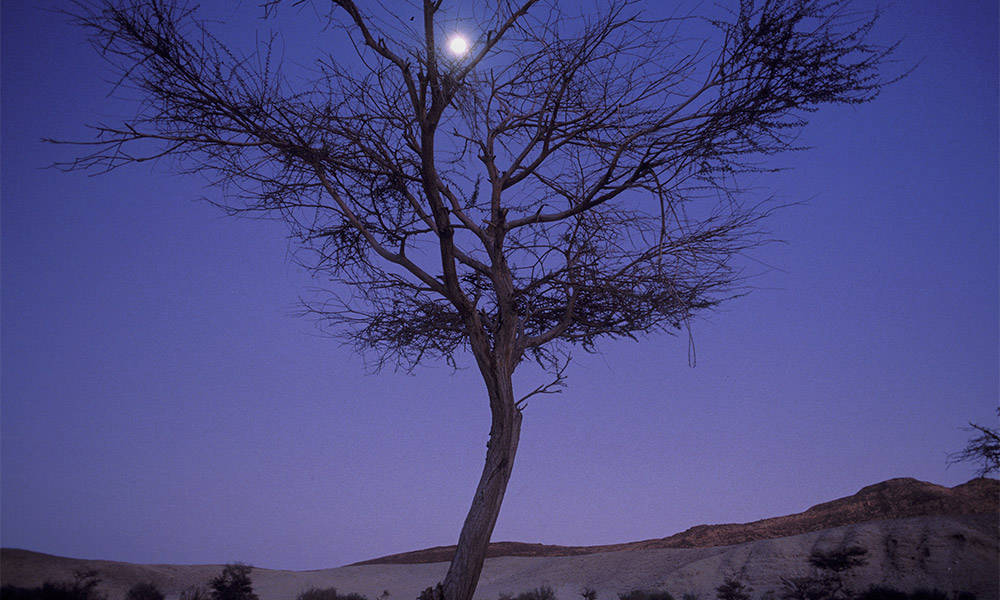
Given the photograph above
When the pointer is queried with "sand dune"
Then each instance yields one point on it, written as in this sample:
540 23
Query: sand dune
950 553
917 534
893 499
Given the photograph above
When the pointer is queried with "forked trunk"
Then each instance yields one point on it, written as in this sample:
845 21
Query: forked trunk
463 574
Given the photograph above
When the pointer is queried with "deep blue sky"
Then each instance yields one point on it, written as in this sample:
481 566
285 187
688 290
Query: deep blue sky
161 403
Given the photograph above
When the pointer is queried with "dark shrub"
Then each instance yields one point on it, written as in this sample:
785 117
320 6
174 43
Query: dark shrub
806 588
195 593
233 583
83 587
318 594
645 595
838 561
432 593
829 569
540 593
881 592
733 589
144 591
327 594
12 592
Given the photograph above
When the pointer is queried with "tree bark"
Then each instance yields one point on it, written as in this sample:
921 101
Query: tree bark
467 563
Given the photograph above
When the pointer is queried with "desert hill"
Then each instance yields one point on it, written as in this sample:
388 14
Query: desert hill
918 535
892 499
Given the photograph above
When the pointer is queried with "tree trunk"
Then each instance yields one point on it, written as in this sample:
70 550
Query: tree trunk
467 563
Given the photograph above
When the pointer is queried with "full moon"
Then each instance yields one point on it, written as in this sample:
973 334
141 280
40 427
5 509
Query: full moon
458 45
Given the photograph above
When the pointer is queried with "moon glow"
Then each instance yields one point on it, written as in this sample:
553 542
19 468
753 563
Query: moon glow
458 45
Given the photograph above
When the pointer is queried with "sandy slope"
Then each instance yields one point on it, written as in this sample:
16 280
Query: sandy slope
893 499
946 552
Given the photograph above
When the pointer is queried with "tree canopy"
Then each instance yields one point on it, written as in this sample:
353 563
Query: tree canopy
571 176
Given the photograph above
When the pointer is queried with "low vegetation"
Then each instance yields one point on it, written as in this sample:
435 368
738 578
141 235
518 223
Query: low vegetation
646 595
330 594
194 593
144 591
539 593
733 589
830 568
82 587
828 581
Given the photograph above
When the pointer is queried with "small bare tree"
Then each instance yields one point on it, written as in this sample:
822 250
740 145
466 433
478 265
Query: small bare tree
569 178
983 447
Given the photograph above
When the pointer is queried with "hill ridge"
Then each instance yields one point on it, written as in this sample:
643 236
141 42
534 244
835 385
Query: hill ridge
895 498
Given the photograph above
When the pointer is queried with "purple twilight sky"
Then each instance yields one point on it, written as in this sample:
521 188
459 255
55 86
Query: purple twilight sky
162 403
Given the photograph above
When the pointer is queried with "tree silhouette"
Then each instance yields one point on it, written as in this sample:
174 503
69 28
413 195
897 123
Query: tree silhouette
572 177
983 448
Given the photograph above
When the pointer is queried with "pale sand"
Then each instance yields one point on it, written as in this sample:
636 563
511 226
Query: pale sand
948 553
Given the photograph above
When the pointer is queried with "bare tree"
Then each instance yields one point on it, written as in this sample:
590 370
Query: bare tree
572 177
983 447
